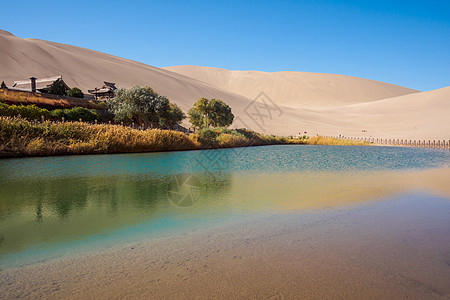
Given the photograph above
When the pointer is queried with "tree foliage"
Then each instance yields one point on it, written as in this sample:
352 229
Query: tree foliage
173 116
196 118
75 114
144 105
32 112
207 113
75 92
58 88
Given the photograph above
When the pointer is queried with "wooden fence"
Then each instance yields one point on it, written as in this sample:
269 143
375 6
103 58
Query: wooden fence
440 144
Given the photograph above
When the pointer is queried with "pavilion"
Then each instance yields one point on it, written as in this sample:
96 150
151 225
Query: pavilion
106 91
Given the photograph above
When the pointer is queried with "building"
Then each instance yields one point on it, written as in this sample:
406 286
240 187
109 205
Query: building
106 91
50 85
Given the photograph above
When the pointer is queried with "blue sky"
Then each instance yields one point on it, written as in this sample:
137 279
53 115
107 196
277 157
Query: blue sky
400 42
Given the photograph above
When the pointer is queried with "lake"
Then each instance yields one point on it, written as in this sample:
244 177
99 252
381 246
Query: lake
59 207
52 204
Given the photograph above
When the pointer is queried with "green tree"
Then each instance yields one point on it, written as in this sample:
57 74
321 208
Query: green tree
214 112
174 115
75 92
196 118
58 88
141 105
220 114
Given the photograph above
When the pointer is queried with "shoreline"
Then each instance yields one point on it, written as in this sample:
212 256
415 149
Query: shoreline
288 255
5 157
23 138
156 151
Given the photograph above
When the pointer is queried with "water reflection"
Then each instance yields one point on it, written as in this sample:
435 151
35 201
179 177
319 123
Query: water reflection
40 211
48 201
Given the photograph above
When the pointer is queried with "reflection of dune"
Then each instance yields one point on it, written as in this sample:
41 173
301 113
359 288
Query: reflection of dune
332 190
393 250
67 209
436 180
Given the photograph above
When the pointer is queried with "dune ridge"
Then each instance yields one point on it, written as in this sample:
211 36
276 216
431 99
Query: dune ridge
296 89
416 116
399 113
86 69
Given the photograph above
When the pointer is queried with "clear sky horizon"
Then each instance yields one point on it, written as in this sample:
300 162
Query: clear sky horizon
400 42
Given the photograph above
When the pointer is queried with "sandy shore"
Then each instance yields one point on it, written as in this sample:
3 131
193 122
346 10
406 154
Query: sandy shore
391 249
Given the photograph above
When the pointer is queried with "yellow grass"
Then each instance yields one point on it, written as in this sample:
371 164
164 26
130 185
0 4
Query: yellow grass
229 140
320 140
26 98
21 137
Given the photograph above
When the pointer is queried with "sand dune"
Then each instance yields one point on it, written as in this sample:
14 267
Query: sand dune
23 58
296 89
422 115
331 104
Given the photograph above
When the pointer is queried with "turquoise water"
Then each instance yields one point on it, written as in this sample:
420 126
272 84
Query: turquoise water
55 206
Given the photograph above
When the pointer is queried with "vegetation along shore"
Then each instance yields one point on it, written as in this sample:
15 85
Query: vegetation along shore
29 130
20 137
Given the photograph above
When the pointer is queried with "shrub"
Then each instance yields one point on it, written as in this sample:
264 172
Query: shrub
32 112
220 130
230 140
207 137
82 113
75 92
58 114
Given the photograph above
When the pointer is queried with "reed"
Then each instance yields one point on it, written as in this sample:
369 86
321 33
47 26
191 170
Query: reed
320 140
20 137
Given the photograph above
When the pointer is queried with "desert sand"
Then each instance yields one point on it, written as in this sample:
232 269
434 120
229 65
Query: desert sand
296 102
296 89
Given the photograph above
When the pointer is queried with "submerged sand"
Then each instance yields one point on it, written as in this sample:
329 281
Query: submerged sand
352 254
396 247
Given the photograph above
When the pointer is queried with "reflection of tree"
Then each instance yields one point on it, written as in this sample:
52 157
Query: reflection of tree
71 207
39 210
67 194
146 193
64 195
220 183
184 190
